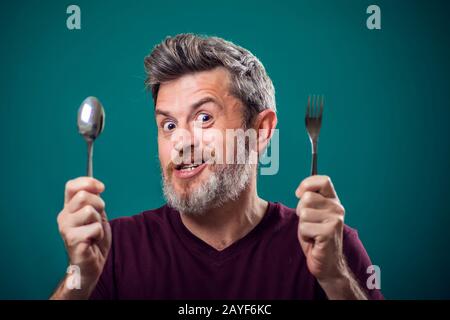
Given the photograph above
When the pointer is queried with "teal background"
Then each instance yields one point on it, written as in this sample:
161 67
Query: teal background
384 140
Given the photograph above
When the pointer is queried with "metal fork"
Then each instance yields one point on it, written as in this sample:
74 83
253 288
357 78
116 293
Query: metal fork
313 122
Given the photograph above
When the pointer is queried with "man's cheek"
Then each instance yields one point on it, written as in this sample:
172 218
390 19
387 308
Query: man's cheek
164 154
213 146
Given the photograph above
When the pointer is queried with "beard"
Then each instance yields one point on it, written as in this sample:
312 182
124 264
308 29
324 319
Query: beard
225 183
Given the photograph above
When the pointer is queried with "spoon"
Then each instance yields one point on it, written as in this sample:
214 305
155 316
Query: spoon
91 121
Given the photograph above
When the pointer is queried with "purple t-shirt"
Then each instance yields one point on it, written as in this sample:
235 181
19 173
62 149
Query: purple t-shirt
154 256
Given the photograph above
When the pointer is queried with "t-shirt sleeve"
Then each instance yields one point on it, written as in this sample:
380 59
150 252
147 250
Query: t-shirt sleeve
358 261
104 289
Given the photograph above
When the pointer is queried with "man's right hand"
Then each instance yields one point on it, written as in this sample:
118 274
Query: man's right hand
84 227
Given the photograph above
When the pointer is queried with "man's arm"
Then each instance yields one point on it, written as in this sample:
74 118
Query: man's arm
344 288
320 233
84 227
63 292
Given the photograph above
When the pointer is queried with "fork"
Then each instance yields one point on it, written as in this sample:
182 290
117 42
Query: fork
313 122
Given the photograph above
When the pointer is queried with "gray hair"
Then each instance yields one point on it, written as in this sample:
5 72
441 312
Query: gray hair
189 53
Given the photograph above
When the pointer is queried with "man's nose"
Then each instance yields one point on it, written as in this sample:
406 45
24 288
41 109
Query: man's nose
185 143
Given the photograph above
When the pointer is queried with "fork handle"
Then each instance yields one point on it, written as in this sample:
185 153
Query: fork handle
314 164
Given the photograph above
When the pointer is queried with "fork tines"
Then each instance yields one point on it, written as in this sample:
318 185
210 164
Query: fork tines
314 109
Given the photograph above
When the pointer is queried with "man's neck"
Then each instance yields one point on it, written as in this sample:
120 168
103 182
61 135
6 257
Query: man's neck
221 227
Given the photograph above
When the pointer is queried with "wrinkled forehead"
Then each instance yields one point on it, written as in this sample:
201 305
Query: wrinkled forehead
193 86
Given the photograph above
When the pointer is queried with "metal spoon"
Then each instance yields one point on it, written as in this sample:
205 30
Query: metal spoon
91 121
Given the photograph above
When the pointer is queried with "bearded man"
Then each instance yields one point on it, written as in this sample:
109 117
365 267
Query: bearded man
215 238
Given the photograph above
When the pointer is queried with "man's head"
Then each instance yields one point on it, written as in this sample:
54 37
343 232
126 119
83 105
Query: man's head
203 87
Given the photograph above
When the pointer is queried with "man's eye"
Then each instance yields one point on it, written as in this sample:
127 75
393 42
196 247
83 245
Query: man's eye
169 126
203 117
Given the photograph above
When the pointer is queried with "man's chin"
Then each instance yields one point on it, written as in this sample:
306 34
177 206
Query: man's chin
184 189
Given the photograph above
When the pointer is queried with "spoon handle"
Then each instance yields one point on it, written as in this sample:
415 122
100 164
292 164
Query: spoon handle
90 147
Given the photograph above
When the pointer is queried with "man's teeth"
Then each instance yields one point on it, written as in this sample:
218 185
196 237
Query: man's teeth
189 167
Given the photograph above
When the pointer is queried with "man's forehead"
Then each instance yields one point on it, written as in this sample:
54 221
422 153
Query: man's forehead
193 86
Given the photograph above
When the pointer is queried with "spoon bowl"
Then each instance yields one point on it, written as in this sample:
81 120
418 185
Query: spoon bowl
91 122
91 118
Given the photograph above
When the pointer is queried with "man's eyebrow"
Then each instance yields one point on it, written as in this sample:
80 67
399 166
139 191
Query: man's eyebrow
163 113
193 106
204 100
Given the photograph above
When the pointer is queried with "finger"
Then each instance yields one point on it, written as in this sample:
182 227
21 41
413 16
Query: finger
314 215
317 183
89 184
314 200
83 198
89 233
313 231
84 216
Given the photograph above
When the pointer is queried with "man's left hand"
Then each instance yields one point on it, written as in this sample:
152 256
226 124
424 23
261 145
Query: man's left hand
320 230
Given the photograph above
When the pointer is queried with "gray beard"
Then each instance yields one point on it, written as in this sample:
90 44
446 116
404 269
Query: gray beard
225 183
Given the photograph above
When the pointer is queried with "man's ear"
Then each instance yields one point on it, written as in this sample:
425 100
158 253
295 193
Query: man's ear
264 124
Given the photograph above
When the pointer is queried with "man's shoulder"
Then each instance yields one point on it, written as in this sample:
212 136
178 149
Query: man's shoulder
281 218
143 219
283 213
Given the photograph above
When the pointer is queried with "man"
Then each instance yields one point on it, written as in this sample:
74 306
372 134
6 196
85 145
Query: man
215 238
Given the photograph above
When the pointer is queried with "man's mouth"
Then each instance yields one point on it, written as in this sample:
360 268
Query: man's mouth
188 170
188 166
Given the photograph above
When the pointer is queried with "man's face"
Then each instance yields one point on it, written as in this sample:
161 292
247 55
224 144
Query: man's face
192 115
